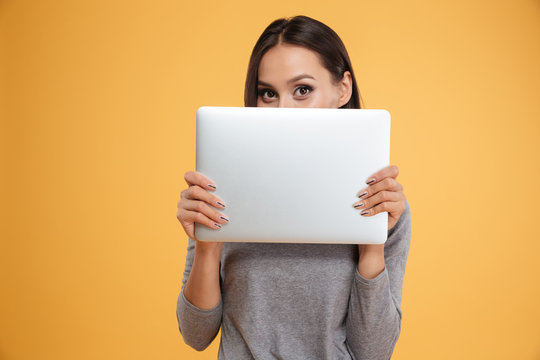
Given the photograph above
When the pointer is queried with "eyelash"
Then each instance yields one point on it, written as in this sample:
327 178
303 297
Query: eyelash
261 92
309 88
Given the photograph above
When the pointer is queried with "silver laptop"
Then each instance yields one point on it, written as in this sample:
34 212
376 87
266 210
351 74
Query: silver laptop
292 174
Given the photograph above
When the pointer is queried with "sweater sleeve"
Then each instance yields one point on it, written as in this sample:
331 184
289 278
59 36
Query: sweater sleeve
198 327
373 321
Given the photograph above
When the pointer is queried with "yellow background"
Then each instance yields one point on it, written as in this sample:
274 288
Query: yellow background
98 100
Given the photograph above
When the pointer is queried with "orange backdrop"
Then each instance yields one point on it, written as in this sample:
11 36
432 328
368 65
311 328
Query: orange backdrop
98 101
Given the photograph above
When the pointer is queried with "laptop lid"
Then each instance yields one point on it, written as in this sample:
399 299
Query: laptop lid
292 174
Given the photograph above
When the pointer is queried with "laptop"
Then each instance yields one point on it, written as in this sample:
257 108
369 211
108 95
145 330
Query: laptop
292 175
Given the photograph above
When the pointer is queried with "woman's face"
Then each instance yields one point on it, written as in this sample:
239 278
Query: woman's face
293 76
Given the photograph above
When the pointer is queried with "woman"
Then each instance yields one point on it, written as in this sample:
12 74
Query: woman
296 301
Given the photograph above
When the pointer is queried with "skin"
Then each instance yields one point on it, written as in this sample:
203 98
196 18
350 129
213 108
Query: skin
289 76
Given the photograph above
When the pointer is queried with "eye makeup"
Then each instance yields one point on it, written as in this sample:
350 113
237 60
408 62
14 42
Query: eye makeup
262 92
305 87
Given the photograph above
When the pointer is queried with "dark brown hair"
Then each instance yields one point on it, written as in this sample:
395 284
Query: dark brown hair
311 34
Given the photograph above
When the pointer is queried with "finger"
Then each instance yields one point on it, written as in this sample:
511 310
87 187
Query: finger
388 183
378 198
195 192
196 178
389 171
207 211
388 206
194 216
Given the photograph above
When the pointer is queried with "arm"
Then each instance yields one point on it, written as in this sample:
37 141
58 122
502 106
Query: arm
199 306
373 322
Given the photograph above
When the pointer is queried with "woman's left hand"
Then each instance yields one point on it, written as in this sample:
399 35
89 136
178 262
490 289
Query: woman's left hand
384 193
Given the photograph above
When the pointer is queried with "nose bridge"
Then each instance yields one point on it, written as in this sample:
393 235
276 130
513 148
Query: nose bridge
285 101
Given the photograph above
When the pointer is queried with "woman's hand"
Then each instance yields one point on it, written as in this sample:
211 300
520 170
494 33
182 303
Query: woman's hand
197 205
384 193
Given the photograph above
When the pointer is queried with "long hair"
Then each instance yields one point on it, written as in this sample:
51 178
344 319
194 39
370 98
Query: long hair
311 34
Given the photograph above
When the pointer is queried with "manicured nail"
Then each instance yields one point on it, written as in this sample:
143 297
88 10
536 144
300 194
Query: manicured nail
372 180
358 205
212 186
363 194
220 204
217 225
364 212
224 218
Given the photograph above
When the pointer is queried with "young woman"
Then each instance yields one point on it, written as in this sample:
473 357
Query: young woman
296 301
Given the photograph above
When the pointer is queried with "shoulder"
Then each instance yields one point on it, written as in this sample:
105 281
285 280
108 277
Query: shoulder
400 235
405 218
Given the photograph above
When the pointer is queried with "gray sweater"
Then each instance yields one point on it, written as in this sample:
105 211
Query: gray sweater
301 301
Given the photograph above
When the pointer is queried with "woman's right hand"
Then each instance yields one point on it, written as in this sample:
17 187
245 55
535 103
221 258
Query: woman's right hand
198 205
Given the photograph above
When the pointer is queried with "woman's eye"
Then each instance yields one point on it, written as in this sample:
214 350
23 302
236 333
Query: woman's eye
303 90
266 93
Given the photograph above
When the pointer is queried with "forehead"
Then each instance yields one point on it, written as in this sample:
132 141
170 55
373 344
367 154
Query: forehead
285 61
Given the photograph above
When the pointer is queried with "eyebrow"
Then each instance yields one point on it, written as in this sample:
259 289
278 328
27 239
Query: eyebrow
296 78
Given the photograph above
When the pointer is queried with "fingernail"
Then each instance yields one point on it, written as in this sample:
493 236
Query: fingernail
363 194
224 218
220 204
364 212
370 181
212 186
358 205
217 225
